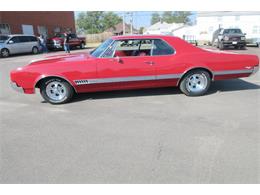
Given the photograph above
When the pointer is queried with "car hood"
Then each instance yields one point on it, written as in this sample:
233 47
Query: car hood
61 59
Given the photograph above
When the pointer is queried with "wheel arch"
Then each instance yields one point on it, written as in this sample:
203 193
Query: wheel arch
43 78
196 68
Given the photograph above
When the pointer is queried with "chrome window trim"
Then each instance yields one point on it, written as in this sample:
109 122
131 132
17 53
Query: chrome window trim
115 40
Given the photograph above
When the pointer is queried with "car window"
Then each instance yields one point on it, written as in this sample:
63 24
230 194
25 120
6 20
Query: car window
24 39
73 36
160 47
32 39
15 39
100 49
232 31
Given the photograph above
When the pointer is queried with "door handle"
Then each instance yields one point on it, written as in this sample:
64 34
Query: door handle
149 62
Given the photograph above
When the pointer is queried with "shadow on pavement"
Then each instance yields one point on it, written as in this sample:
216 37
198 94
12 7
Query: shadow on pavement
217 86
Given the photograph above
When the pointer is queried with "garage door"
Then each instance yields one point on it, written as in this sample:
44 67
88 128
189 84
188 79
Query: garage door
27 29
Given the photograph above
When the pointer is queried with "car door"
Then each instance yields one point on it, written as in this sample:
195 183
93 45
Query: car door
14 45
121 66
24 44
167 65
73 41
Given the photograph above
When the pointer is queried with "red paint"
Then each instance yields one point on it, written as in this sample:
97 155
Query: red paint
83 66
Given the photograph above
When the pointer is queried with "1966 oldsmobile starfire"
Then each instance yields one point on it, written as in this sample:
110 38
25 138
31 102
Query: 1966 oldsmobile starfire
131 62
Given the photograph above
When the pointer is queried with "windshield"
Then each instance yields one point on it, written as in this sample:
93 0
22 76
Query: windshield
232 31
61 35
3 38
99 50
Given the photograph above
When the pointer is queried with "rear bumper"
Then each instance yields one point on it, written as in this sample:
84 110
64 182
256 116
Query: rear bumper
16 87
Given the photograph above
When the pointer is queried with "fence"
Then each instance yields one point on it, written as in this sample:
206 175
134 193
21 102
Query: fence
97 38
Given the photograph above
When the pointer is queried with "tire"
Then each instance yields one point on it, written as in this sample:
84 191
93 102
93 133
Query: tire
5 53
56 91
195 83
221 46
82 45
35 50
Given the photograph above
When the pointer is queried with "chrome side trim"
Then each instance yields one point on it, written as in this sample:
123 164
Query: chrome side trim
127 79
232 72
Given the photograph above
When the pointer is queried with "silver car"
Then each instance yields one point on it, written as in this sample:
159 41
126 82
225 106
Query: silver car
14 44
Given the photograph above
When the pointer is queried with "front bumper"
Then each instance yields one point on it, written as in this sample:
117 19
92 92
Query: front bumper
16 87
54 46
255 70
234 43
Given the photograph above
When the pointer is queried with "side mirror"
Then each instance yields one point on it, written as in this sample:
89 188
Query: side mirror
10 42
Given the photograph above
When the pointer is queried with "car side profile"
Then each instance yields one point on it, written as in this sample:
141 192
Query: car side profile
16 44
132 62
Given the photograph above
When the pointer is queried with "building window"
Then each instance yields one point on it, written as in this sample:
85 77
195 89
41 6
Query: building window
5 29
237 18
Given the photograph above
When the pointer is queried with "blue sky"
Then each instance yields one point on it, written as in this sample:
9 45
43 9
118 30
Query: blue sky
140 18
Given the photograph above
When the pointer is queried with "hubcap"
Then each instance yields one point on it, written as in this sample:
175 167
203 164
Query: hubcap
5 53
35 50
196 83
56 91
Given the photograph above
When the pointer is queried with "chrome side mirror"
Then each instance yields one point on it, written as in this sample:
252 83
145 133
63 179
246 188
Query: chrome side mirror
10 42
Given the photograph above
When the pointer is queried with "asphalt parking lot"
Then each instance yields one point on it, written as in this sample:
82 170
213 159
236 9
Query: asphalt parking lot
138 136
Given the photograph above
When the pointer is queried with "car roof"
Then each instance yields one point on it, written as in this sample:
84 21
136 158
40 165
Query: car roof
12 35
142 37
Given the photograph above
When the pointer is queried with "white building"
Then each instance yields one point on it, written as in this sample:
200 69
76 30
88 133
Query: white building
162 28
208 22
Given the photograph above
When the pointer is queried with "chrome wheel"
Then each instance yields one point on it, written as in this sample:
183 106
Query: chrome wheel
56 91
5 53
196 83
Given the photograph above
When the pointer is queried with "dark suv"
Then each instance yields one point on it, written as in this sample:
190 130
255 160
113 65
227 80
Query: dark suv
223 38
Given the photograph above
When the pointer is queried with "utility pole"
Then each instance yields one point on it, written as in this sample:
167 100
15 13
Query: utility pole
123 23
131 22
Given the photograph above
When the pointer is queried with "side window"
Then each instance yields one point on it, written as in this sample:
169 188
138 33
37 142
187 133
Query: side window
23 39
15 39
73 36
32 39
160 47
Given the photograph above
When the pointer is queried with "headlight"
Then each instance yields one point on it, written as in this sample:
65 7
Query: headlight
243 38
226 38
56 41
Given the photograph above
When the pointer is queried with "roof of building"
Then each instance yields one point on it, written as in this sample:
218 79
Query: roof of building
226 13
163 26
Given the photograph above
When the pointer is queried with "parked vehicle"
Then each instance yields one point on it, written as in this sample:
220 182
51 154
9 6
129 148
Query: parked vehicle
253 42
157 61
223 38
57 42
15 44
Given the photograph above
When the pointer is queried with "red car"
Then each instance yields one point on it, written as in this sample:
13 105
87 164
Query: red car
131 62
57 42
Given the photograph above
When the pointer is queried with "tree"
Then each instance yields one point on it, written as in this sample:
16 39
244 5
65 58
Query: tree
155 18
176 17
168 17
96 21
141 30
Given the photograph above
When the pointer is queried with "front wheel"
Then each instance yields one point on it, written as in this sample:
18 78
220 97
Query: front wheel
56 91
195 83
5 53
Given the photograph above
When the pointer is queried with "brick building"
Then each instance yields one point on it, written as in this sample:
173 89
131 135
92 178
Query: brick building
36 22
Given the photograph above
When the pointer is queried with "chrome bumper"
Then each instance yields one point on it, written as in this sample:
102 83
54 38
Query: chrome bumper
256 68
16 87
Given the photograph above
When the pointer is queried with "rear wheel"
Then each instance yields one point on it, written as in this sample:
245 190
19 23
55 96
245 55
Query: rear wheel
35 50
56 91
221 46
5 53
195 83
